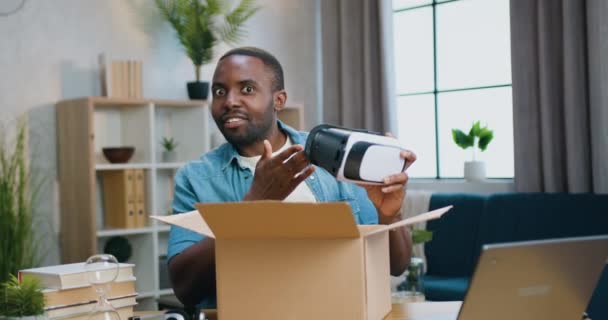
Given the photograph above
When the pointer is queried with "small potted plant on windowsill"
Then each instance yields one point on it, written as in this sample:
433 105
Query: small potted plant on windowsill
23 301
477 137
169 145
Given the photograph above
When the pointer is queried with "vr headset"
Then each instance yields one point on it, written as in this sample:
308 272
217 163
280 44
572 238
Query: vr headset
354 155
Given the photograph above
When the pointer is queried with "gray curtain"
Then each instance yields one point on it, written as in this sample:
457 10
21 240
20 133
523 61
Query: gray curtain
559 109
358 84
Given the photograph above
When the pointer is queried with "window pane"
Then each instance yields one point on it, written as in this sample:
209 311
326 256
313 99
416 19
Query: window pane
403 4
458 110
473 44
416 119
413 42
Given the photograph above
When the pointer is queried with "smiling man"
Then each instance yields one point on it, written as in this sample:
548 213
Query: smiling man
263 159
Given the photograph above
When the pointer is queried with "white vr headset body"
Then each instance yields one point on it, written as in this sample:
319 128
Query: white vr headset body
354 155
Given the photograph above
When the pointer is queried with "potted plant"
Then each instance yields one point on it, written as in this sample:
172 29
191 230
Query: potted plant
169 145
17 240
202 24
412 288
478 137
23 300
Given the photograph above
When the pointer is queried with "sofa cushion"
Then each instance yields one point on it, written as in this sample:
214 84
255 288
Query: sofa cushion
445 288
535 216
451 252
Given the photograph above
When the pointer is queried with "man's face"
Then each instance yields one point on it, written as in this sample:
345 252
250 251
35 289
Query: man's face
243 102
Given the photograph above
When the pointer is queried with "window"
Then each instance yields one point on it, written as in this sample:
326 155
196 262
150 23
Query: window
453 67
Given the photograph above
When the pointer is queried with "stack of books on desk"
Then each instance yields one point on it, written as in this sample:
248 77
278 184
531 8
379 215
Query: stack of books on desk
69 295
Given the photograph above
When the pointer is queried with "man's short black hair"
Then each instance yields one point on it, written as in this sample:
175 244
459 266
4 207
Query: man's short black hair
269 60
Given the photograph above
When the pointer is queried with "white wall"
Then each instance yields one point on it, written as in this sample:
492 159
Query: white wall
48 52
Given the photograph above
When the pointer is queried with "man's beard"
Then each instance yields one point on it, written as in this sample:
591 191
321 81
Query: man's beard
254 132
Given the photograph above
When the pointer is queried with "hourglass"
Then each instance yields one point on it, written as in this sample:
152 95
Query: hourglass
101 271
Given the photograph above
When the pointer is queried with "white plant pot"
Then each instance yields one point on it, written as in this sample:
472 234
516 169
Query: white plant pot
475 171
169 156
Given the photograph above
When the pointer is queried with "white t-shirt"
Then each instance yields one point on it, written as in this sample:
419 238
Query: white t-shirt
301 193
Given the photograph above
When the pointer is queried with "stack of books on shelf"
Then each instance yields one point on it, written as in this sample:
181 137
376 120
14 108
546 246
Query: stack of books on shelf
124 198
69 295
121 78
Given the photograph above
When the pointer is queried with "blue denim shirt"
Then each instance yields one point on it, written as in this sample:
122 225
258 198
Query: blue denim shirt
218 177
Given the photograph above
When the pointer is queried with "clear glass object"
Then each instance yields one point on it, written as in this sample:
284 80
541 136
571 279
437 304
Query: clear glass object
101 270
411 289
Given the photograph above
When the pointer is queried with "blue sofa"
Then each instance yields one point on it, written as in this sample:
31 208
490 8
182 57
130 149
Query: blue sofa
476 220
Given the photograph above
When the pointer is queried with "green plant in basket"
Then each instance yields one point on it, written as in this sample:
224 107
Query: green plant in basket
23 299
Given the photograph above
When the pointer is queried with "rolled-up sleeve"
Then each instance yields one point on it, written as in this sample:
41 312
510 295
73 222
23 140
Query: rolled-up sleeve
183 201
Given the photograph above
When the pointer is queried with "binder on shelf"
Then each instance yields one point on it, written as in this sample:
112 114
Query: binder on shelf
140 198
119 199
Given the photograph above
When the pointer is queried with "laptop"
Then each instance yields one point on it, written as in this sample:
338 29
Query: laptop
534 280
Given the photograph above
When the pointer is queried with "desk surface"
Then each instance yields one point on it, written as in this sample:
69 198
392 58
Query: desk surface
414 310
405 311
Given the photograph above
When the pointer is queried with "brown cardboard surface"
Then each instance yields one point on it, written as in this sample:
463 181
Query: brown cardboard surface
435 214
279 220
290 279
277 260
364 229
188 220
377 271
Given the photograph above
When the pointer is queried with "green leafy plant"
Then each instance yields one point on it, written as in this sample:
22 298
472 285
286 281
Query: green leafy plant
412 282
478 135
21 299
17 242
202 24
421 236
169 144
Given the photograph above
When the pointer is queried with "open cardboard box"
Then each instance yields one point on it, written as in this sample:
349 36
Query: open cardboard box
277 260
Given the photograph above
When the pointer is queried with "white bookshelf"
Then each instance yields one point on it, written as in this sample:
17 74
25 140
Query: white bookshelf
85 126
123 166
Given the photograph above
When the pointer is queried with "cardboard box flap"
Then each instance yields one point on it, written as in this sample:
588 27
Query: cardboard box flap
364 229
279 220
188 220
431 215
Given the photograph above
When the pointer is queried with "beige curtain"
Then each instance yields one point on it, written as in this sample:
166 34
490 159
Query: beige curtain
358 86
559 106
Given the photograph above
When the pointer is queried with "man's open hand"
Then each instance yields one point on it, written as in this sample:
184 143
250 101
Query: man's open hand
276 177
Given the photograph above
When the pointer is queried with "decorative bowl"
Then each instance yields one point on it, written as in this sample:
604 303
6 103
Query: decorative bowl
118 154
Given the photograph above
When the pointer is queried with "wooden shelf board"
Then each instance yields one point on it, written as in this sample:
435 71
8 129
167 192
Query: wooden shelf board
122 166
163 228
123 232
170 165
110 102
180 104
144 295
164 292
